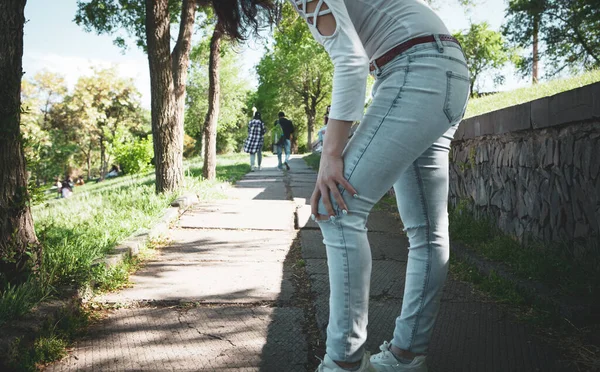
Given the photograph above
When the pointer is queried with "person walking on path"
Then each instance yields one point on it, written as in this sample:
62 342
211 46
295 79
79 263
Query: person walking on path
403 140
254 143
285 141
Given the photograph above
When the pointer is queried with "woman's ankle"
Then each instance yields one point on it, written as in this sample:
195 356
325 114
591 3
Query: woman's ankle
405 355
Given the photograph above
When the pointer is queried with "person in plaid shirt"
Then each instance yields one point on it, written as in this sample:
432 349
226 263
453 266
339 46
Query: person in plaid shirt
254 142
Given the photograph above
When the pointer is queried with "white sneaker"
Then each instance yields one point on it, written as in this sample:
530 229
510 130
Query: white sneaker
387 362
259 167
329 365
252 169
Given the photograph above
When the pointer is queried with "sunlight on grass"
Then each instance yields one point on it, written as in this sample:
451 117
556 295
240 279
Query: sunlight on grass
478 106
76 231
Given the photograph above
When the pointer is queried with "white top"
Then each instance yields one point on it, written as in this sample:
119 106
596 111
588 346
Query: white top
366 29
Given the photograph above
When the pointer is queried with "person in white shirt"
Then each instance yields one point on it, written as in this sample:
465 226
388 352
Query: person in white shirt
403 140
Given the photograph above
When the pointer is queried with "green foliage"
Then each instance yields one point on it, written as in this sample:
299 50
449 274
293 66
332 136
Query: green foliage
45 152
482 105
294 77
119 18
484 50
569 33
134 156
66 133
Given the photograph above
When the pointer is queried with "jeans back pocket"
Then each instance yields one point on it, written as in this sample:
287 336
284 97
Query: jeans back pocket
457 95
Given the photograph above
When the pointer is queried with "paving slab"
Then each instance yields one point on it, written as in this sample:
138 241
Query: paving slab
303 191
214 266
259 188
383 245
470 334
380 221
196 339
240 214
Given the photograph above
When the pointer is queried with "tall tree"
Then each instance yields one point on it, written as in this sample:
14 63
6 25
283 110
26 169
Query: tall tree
150 22
485 50
564 34
91 116
20 250
39 97
234 88
214 94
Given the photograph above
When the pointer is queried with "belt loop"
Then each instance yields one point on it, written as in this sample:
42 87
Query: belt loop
376 68
439 43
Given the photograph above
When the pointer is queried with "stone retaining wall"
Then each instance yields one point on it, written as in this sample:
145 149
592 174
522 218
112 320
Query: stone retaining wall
535 168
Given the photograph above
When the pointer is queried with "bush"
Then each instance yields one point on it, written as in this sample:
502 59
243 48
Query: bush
135 156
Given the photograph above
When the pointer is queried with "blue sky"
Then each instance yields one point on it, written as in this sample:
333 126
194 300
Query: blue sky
54 42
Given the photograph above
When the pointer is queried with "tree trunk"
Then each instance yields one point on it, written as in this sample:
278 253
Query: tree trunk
536 57
181 59
311 114
102 157
20 251
168 144
88 158
209 170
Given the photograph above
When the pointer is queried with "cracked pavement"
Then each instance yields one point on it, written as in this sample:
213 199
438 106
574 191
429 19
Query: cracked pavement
221 296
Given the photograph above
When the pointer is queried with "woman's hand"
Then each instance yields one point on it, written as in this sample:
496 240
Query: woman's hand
331 170
331 174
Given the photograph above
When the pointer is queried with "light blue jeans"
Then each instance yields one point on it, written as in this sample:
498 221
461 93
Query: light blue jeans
287 146
403 141
259 153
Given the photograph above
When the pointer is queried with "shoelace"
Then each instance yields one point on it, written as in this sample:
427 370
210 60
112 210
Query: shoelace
320 367
385 348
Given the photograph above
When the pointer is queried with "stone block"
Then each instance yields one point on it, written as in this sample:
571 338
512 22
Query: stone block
595 161
468 128
595 100
483 125
512 118
540 113
572 106
460 131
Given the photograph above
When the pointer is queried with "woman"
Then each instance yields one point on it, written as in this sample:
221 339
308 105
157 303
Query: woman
254 142
419 98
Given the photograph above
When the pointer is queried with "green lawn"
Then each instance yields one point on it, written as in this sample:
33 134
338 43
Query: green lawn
76 231
478 106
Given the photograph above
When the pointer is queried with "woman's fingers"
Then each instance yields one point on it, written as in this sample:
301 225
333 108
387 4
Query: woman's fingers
326 200
322 192
335 192
348 187
314 203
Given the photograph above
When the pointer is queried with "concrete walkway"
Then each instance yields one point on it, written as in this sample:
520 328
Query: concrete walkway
222 297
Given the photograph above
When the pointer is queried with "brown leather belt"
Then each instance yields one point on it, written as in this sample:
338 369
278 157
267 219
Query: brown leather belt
400 48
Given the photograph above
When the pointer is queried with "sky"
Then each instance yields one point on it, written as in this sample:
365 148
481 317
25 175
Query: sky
54 42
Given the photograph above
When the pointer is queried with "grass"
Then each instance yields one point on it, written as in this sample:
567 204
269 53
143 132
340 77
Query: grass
482 105
312 160
50 344
501 289
79 230
551 265
548 265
